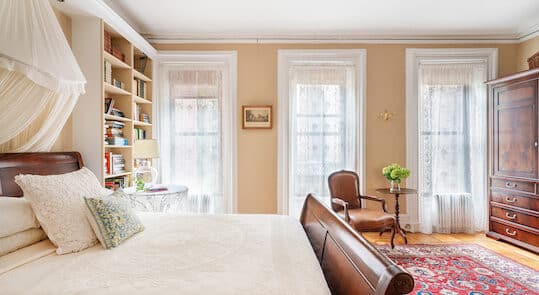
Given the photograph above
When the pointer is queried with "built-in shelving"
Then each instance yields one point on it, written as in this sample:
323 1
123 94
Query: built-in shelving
115 90
108 63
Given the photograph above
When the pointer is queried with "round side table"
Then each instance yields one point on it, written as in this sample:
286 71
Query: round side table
168 200
402 191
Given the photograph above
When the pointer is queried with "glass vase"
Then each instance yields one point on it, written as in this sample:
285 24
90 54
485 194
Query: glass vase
395 186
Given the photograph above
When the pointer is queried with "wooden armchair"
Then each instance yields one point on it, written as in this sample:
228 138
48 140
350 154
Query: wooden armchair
346 202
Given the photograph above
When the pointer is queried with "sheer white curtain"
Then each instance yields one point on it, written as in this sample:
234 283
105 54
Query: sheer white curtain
452 148
192 134
40 80
323 128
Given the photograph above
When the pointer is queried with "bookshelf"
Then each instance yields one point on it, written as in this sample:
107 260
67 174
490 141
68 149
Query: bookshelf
117 108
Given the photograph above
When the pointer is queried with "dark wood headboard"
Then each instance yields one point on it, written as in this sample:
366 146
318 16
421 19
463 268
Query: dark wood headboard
12 164
350 263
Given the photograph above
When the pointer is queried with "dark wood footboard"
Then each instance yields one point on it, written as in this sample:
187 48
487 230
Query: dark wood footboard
350 263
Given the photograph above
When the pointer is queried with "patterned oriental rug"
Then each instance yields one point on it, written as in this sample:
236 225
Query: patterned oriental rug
463 269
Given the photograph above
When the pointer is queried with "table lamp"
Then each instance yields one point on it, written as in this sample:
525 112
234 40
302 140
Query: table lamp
145 175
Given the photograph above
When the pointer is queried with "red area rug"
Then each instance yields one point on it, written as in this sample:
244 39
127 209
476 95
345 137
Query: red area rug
463 269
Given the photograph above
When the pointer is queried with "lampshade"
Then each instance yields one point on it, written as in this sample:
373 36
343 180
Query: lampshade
145 149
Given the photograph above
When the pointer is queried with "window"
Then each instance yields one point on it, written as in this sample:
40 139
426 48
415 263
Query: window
446 106
324 123
198 135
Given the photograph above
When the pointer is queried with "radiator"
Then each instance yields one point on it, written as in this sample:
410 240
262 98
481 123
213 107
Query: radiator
455 213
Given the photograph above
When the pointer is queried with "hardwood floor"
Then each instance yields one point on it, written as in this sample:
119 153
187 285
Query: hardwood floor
518 254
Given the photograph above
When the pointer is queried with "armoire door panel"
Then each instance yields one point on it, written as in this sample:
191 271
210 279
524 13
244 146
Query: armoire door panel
515 130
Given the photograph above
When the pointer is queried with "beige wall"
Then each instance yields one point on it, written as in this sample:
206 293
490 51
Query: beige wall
525 50
257 84
64 141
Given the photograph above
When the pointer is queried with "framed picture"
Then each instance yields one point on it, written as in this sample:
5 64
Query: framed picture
257 117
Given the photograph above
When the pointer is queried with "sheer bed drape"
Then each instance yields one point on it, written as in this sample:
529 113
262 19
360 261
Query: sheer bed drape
40 80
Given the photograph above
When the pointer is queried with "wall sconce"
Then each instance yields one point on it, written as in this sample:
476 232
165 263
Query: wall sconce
385 115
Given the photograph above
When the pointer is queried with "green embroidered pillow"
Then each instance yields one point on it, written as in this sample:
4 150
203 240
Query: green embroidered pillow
112 219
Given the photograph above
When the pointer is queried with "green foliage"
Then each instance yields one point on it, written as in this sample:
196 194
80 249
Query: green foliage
139 185
395 172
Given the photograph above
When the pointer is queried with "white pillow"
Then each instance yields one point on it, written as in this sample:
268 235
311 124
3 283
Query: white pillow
16 216
20 240
58 203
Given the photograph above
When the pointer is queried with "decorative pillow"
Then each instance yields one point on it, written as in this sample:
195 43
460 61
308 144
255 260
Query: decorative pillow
112 219
20 240
17 216
59 206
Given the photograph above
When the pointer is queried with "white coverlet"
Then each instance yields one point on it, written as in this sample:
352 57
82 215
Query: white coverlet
220 254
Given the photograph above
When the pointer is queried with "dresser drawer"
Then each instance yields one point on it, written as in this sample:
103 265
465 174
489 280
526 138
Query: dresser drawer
515 216
513 199
515 233
522 186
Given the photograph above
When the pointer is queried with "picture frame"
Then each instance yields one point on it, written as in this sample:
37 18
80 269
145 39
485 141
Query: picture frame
257 117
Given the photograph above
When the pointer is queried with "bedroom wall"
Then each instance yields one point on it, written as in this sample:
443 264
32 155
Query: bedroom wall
64 141
525 50
257 84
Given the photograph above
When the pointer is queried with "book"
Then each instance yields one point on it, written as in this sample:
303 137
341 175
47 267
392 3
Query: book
109 105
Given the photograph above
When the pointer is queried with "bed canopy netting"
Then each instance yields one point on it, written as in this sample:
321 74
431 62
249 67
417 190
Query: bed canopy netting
40 80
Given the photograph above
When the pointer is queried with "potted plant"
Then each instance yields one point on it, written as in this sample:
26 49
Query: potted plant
395 173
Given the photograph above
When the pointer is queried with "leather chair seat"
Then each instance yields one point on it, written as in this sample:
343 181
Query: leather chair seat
365 219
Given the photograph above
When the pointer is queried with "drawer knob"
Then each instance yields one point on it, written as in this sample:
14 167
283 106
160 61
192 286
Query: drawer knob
511 185
509 200
511 233
508 215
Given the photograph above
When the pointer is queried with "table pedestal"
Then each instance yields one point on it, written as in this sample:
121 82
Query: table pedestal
398 228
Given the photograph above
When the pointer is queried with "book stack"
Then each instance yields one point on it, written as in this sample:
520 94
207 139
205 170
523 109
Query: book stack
117 183
139 88
118 83
138 109
114 132
108 72
107 44
115 163
140 133
118 53
145 118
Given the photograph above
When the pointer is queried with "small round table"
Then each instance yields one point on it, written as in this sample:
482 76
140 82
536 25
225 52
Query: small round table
402 191
168 200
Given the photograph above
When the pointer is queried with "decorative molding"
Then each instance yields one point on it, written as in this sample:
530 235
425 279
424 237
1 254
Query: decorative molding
358 57
415 57
346 39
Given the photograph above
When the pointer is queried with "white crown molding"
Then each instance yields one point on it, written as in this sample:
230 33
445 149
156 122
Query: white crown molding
529 33
346 39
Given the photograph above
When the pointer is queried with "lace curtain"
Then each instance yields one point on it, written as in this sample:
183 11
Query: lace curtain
40 80
193 131
452 153
322 128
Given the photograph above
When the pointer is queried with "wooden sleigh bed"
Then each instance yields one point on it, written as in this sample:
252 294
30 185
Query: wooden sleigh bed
350 264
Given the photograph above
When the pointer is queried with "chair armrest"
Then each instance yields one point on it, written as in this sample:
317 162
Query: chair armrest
344 204
376 199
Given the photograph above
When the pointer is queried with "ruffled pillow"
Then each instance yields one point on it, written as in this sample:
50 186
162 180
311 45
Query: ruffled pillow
57 201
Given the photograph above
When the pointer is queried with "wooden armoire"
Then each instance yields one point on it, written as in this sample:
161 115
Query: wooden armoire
513 159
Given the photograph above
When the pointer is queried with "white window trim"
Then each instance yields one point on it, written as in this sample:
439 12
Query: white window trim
230 60
415 57
358 57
